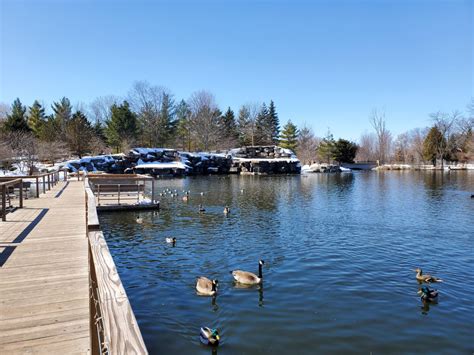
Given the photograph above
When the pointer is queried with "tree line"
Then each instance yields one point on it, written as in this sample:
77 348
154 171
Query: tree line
150 116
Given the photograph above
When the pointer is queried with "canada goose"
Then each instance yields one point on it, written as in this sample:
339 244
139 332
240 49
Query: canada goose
428 294
139 220
202 193
171 240
248 278
206 287
209 336
226 210
472 196
201 209
425 278
185 198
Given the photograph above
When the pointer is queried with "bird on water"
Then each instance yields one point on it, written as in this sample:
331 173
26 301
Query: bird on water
426 278
248 278
206 287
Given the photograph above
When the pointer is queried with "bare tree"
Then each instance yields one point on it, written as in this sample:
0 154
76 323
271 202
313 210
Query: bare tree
446 124
204 120
416 137
307 145
247 123
401 149
99 109
367 148
52 151
384 137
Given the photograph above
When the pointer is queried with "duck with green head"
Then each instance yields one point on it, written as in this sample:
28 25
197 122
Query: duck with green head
209 336
428 295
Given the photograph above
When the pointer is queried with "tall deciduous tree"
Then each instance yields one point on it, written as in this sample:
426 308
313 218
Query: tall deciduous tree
384 137
121 129
289 136
344 151
247 124
205 120
36 118
307 145
16 120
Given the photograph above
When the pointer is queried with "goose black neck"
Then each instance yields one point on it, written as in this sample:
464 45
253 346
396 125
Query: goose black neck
213 286
260 275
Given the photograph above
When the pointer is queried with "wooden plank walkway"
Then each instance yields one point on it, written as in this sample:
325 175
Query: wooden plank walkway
44 275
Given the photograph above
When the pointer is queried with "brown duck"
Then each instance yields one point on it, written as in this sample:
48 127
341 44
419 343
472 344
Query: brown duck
426 278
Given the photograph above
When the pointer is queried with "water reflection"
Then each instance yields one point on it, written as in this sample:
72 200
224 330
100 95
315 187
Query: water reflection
258 287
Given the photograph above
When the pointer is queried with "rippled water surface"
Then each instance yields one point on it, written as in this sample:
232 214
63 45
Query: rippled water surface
339 255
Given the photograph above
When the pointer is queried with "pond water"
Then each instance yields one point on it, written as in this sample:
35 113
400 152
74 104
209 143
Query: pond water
339 252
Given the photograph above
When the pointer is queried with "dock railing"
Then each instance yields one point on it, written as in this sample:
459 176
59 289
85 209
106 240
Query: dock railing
113 326
5 188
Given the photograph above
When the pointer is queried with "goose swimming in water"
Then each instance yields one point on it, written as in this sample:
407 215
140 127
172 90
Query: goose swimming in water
139 220
201 209
226 210
206 287
209 336
248 278
426 278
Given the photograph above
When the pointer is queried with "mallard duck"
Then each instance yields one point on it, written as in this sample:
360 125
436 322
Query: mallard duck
209 336
428 295
248 278
171 240
226 210
139 220
201 209
425 278
206 287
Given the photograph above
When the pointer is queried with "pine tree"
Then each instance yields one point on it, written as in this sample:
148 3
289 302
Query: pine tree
229 133
344 151
275 122
183 125
263 127
16 120
326 148
36 118
289 136
433 145
166 121
62 112
121 129
79 134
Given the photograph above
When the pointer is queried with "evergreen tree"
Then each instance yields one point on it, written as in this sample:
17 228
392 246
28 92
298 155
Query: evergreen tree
183 125
434 145
263 127
275 122
326 148
79 134
62 112
289 136
344 151
36 118
49 130
16 120
166 121
121 129
230 134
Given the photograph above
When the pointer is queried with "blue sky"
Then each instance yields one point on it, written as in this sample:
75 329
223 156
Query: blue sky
324 63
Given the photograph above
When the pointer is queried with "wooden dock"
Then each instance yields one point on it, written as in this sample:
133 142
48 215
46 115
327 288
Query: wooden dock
44 275
60 292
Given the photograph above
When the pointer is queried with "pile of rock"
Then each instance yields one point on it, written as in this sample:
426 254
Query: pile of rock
262 152
206 163
264 160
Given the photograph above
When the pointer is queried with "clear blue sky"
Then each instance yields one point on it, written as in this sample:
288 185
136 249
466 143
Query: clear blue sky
325 63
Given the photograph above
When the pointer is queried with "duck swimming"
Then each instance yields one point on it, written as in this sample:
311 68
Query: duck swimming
426 278
226 210
201 209
209 336
206 287
428 295
171 240
139 220
248 278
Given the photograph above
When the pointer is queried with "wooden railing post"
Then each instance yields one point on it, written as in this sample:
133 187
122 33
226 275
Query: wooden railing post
49 183
118 195
4 204
44 185
21 193
37 187
98 194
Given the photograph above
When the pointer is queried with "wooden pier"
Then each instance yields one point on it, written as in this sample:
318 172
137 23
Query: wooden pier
60 292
